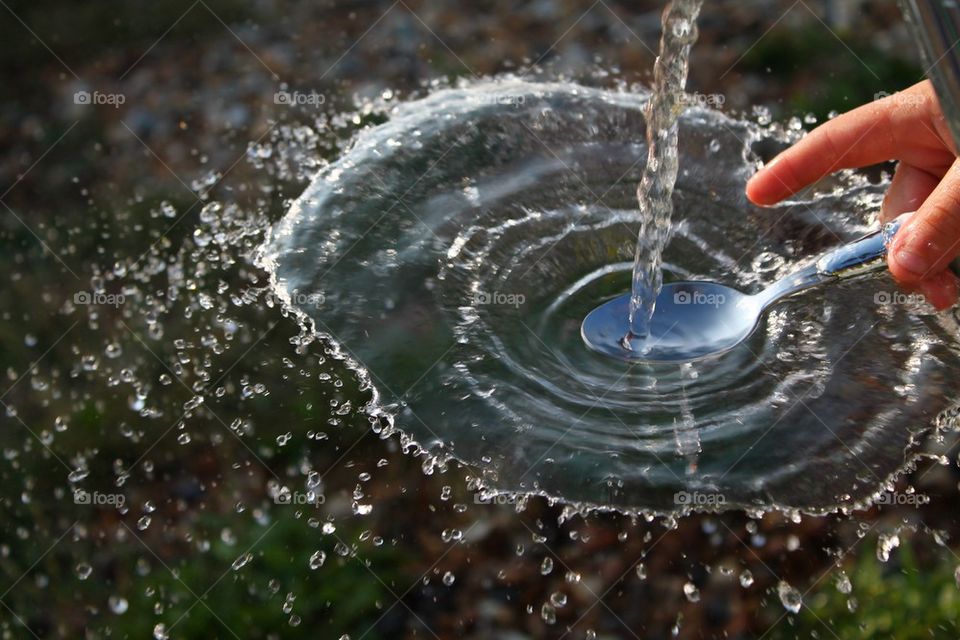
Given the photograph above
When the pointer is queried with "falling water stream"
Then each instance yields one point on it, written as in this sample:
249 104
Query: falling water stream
654 195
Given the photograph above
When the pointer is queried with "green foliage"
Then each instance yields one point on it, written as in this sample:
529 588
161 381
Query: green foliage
826 74
899 599
201 595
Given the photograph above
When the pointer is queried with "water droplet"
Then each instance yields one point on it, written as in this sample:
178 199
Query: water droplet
548 613
767 262
317 559
843 582
690 590
546 566
84 570
746 579
886 543
242 561
790 597
118 605
449 578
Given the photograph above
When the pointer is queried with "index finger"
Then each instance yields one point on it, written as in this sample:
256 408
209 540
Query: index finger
890 128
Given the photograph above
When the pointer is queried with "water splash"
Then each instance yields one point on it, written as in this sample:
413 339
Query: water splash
456 248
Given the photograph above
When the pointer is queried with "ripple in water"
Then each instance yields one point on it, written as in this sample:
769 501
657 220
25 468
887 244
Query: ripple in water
454 251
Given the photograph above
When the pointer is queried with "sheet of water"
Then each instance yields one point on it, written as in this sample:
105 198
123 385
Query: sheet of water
455 249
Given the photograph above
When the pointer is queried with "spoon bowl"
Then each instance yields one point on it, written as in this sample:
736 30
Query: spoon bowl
691 320
694 320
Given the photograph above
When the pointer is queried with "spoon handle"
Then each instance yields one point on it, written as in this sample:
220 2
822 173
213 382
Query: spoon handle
865 255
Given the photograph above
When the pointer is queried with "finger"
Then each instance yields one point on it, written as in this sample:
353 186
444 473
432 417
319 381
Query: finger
908 190
866 135
930 239
940 290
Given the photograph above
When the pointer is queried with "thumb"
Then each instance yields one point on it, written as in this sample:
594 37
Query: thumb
930 239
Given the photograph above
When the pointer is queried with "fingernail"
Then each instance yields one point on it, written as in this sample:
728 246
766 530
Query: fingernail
911 259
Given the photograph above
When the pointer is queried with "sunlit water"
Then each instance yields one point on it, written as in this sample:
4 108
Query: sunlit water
453 251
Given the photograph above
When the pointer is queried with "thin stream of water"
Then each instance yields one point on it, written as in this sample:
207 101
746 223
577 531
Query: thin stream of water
655 192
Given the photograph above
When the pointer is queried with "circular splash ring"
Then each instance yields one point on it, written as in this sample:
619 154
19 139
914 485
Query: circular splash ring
457 247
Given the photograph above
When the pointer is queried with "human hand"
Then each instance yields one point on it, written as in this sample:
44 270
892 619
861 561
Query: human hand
909 127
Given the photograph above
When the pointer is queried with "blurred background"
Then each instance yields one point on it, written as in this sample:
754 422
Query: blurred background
159 409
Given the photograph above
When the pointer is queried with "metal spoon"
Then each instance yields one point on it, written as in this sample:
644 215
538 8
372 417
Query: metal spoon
694 320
